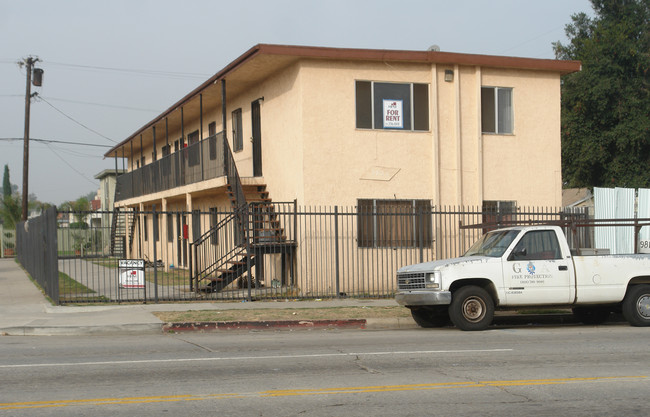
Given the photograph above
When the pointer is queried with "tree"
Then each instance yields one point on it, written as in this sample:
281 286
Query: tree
11 211
6 183
80 209
606 106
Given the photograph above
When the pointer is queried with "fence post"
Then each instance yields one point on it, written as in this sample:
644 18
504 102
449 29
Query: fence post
336 250
420 220
193 273
155 253
247 242
51 250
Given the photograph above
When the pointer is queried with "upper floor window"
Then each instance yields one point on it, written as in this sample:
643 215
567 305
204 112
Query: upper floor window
400 106
496 110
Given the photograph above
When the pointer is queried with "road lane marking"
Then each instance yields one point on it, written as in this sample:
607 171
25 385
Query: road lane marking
315 391
250 358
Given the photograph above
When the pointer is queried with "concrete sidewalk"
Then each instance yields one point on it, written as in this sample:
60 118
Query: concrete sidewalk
25 311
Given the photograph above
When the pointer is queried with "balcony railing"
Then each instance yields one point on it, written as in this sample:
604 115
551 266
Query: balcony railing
197 162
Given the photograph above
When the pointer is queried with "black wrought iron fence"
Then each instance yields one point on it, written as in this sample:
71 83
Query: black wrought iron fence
286 251
36 242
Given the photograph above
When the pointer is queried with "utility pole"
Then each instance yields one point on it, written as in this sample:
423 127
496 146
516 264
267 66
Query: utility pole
38 77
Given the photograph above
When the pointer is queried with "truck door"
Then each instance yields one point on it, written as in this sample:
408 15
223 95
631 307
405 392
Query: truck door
535 272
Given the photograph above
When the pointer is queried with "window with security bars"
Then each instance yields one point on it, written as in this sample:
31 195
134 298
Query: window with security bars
394 223
498 214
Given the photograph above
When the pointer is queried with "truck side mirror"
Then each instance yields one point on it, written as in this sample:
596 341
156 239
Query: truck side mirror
518 254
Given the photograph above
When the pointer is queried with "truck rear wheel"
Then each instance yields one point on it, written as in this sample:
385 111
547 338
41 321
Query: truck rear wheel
471 308
636 305
429 317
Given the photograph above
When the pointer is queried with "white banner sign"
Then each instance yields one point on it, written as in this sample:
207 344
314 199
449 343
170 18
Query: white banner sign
131 273
393 116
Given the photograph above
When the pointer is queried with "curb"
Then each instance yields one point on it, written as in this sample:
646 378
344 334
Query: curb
81 330
264 325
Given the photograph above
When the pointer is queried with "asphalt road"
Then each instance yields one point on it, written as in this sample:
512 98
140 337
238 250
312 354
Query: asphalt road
526 370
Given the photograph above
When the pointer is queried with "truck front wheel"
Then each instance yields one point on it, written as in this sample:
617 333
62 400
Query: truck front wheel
636 305
471 308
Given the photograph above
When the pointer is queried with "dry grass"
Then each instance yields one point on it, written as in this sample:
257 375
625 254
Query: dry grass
330 313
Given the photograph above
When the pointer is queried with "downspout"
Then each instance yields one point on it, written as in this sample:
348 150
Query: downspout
459 144
479 134
435 132
201 134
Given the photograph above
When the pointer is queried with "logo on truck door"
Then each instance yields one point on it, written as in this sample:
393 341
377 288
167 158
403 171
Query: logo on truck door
531 269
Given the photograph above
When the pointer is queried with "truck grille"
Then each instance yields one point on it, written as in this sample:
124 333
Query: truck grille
412 281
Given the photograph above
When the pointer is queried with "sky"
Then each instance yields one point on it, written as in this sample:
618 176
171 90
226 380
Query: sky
110 67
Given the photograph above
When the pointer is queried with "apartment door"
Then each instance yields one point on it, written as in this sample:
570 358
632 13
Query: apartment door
257 138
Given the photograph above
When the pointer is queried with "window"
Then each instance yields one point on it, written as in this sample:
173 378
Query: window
166 150
537 245
496 110
212 141
495 213
237 133
392 106
394 223
194 152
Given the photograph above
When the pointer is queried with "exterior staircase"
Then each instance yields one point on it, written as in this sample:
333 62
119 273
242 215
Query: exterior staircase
253 230
122 227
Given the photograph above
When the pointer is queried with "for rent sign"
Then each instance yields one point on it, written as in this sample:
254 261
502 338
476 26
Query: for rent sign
393 116
131 273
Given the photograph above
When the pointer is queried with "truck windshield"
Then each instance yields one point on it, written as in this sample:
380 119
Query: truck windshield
493 243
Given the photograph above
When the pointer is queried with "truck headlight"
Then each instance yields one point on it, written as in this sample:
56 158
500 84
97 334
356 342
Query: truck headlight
432 280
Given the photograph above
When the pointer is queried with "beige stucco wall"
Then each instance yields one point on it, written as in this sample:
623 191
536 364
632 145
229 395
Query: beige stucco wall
526 166
342 163
313 152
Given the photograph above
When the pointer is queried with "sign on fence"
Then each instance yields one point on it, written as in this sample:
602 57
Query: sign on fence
131 272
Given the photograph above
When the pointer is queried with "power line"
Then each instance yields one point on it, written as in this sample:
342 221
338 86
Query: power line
170 74
57 141
100 104
94 183
74 120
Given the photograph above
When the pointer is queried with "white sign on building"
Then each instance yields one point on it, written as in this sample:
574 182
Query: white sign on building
393 115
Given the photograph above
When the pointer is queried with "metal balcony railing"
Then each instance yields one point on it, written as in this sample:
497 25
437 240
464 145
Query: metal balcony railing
197 162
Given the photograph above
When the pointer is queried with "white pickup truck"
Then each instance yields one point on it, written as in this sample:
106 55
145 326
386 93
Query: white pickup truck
525 266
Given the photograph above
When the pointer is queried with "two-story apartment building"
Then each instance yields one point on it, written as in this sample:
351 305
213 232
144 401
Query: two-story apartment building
352 127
